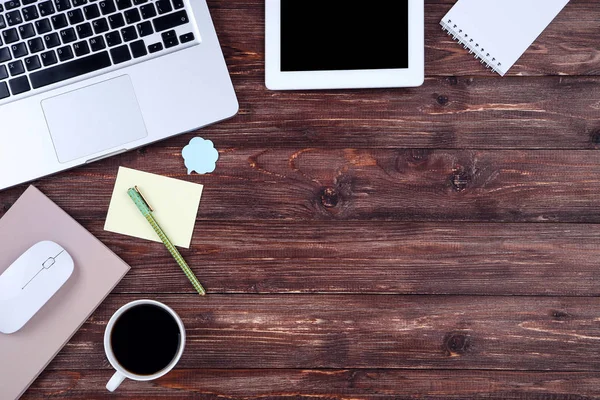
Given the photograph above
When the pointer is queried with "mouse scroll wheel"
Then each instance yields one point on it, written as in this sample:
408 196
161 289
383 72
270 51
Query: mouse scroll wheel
48 263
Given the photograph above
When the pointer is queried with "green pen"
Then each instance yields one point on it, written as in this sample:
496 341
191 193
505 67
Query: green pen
146 210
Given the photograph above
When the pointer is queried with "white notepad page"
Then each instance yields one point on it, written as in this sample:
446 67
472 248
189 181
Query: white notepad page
499 31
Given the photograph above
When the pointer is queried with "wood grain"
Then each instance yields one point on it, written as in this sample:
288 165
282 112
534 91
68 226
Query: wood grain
371 257
446 112
230 384
365 331
361 185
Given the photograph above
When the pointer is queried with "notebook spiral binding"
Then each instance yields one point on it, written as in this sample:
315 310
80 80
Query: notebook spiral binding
471 44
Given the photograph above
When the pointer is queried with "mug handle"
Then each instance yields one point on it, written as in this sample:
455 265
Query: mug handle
115 381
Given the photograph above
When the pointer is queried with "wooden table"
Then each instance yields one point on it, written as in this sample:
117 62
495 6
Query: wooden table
441 242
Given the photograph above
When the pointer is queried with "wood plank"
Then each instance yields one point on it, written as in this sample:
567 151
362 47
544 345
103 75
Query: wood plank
462 112
324 384
368 185
381 257
569 46
360 331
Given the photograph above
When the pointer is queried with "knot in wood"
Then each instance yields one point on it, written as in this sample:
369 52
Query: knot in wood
452 80
442 100
419 155
456 344
559 315
329 197
460 180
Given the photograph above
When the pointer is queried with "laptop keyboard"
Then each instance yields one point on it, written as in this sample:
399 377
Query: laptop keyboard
44 42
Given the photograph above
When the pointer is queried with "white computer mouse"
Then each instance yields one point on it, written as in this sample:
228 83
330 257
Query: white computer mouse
30 282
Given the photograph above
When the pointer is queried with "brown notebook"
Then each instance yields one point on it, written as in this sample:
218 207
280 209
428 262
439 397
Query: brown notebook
33 218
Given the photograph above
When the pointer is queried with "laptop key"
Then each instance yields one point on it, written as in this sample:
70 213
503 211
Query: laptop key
62 5
100 26
14 18
132 16
113 39
68 35
153 48
72 69
91 11
10 36
48 58
3 72
188 37
52 40
107 7
129 34
26 2
75 16
120 54
168 34
35 45
4 54
170 21
19 85
138 49
19 50
116 21
11 5
4 93
81 48
26 31
59 21
177 4
43 26
77 3
2 22
30 13
163 6
145 28
46 8
148 11
64 53
84 30
97 43
123 4
32 63
16 68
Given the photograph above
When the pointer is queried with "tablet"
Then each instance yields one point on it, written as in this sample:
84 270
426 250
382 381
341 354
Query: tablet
343 44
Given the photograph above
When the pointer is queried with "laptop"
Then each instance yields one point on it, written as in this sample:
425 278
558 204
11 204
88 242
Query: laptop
81 80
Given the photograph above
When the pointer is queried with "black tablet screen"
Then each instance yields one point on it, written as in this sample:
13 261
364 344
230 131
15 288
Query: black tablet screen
322 35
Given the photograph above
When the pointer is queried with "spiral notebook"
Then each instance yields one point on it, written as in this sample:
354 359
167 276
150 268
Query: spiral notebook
499 31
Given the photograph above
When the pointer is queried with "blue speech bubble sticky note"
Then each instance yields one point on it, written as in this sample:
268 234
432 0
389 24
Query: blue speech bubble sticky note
200 155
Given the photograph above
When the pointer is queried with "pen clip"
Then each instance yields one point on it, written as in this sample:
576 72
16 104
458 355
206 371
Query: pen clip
143 198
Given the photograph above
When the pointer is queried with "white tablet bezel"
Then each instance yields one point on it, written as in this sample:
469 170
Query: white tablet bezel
412 76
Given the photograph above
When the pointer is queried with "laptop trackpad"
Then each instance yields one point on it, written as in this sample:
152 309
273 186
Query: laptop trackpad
90 120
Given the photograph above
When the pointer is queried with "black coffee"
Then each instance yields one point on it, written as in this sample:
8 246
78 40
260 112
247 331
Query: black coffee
145 339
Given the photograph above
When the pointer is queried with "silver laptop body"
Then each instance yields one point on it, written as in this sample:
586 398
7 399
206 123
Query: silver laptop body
82 92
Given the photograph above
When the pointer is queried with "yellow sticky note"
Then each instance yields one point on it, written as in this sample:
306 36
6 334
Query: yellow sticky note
175 205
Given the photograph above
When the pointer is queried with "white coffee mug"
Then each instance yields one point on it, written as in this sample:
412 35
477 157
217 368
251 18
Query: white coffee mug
121 373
